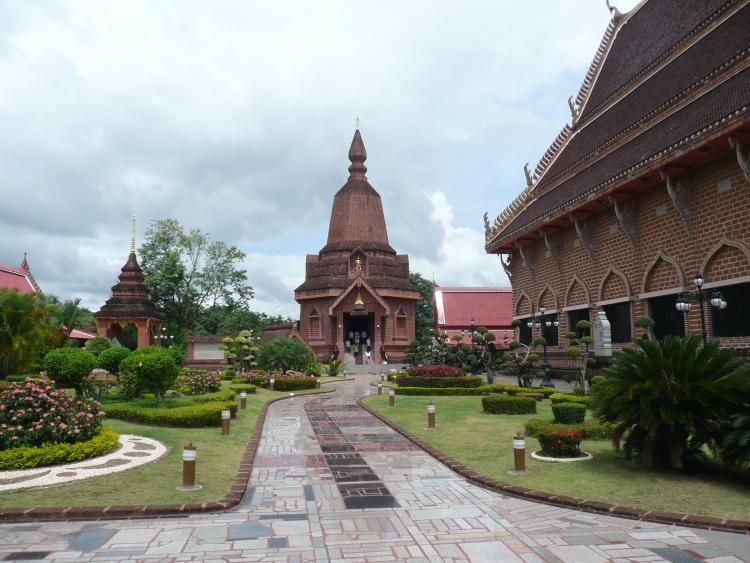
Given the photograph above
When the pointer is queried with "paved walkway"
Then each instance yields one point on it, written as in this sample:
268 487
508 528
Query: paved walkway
322 461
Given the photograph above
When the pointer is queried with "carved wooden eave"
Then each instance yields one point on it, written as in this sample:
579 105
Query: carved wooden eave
507 266
585 235
553 247
627 218
741 160
527 259
680 198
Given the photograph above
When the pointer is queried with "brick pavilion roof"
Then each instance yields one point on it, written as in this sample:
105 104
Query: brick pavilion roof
129 296
19 278
491 307
667 76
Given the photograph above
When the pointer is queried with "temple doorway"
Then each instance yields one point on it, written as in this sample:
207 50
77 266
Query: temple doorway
359 336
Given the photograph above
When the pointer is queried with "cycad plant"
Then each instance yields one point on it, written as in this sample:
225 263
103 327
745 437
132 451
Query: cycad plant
668 392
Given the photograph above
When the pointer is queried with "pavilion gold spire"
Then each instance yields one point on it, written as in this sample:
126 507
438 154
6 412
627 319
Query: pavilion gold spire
132 236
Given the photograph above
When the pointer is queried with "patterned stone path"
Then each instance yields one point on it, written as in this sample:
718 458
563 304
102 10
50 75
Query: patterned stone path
296 510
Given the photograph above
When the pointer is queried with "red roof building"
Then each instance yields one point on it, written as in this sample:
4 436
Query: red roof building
19 278
458 310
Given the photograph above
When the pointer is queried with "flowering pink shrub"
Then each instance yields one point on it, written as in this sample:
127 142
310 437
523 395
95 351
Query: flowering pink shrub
436 371
33 414
197 382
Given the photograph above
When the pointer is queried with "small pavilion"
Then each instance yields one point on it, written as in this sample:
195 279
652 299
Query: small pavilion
130 305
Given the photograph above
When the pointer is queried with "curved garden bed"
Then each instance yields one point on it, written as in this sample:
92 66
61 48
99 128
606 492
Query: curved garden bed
104 441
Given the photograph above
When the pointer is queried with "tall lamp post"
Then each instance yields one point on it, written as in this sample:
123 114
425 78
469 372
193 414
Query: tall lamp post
684 304
546 382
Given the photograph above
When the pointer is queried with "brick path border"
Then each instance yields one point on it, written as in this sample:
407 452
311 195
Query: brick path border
585 505
230 500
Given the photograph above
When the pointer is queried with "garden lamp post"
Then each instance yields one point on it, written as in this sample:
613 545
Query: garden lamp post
684 304
546 382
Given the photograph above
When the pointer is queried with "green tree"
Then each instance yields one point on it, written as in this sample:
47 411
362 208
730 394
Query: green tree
668 393
424 324
69 367
187 272
241 349
283 353
98 345
25 330
221 319
490 357
110 358
154 369
580 349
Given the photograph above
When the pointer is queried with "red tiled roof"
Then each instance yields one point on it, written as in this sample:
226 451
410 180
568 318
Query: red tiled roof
491 307
17 278
81 335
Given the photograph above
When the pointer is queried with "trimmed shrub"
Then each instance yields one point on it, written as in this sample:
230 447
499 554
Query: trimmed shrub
155 370
569 413
111 358
515 389
440 391
191 416
285 383
246 387
104 441
560 442
285 353
592 430
229 374
68 367
129 385
33 415
198 382
220 396
436 371
19 378
569 398
536 396
495 404
97 345
423 381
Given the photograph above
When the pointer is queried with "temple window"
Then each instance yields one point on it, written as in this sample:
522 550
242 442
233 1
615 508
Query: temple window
524 331
667 319
400 322
550 333
314 327
733 320
618 315
578 315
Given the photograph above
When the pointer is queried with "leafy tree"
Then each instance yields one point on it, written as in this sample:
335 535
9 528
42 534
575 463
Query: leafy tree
98 345
735 446
574 350
186 272
283 353
222 319
669 393
645 322
241 349
69 367
489 355
154 370
25 330
424 313
110 358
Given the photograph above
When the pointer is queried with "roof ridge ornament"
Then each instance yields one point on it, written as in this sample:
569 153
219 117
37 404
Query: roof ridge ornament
357 156
529 177
575 110
741 160
132 236
616 14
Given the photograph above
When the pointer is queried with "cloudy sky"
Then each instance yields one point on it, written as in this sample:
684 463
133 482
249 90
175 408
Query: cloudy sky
236 116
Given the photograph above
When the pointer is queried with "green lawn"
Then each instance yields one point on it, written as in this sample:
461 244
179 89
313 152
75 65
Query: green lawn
483 443
155 483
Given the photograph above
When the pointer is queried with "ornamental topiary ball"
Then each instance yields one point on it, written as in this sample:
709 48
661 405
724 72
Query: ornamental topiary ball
569 413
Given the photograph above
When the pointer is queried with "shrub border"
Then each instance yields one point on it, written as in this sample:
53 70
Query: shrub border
126 512
584 505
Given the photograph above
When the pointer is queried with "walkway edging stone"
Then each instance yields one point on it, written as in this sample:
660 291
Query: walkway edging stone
584 505
124 512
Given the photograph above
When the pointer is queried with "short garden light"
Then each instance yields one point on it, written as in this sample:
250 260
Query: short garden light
431 416
391 398
189 455
380 388
225 416
243 400
270 383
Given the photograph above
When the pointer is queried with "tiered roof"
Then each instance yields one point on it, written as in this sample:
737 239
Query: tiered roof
19 278
667 77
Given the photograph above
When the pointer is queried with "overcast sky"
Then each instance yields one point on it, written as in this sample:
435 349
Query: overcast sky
236 117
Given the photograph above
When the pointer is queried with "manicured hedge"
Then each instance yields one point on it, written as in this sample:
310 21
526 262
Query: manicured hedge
219 396
498 404
246 387
440 391
104 441
284 383
569 413
535 396
569 398
191 416
422 381
515 389
15 378
560 442
435 371
592 430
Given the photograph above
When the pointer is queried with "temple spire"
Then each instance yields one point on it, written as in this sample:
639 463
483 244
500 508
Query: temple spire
357 156
132 237
25 263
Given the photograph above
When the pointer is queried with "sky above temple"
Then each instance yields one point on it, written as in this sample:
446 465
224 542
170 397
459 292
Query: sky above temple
236 118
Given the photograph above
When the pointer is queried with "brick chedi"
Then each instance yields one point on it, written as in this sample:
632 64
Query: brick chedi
649 184
130 305
357 289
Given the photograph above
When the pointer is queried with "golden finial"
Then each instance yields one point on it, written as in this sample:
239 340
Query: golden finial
132 236
359 302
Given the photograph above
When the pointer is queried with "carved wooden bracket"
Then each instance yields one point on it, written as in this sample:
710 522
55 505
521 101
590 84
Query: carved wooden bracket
575 110
679 198
527 259
584 235
741 160
529 177
626 216
507 265
553 247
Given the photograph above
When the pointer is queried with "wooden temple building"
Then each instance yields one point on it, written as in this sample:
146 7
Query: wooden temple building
648 186
357 296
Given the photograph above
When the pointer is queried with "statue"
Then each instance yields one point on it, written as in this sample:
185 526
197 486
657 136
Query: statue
358 266
602 336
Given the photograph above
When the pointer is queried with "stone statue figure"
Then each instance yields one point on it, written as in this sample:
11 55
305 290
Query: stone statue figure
602 332
358 266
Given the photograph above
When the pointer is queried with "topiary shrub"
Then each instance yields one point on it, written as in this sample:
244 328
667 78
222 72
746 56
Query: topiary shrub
592 430
246 387
569 413
97 345
32 415
223 395
569 398
69 367
286 383
436 371
560 442
425 381
515 389
111 358
191 416
103 442
536 396
154 370
440 391
499 404
229 374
